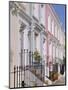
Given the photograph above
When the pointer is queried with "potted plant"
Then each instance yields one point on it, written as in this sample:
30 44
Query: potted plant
54 76
37 56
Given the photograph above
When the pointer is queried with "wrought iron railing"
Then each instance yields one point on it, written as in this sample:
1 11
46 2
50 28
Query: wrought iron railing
17 76
19 72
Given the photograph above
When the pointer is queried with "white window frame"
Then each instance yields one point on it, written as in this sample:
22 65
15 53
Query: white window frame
49 23
53 27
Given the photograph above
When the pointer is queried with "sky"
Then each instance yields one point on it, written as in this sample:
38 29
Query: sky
60 10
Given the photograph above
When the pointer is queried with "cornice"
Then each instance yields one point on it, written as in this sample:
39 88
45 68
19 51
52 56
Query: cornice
14 6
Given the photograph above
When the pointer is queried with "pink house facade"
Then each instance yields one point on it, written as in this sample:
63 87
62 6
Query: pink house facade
55 40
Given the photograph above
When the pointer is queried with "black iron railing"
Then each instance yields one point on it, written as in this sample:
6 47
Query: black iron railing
36 68
19 72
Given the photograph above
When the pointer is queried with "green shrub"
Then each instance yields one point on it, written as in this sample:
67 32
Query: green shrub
37 56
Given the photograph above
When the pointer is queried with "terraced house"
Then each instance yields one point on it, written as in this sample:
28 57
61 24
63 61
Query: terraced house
55 41
37 44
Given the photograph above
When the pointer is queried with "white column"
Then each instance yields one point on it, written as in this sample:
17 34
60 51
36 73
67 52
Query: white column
32 29
59 59
47 71
41 44
25 46
26 38
32 39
